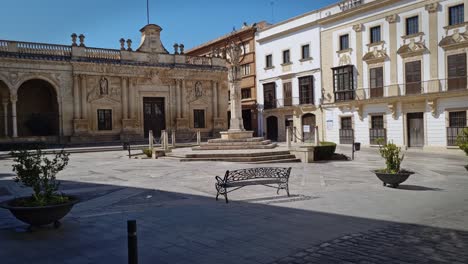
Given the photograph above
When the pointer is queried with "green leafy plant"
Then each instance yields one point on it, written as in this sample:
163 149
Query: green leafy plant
462 141
148 152
392 155
324 151
37 171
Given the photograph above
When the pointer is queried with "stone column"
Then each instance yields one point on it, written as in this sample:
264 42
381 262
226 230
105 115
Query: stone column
214 86
131 98
5 117
13 100
178 97
358 28
124 81
76 97
183 100
433 43
236 107
392 19
84 95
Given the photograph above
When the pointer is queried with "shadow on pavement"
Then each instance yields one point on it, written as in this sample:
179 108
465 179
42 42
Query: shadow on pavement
184 228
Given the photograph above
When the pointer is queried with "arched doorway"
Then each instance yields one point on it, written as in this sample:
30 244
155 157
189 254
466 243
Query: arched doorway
308 128
37 109
4 109
272 128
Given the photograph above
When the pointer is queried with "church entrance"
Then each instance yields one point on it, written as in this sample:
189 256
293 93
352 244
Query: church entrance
154 115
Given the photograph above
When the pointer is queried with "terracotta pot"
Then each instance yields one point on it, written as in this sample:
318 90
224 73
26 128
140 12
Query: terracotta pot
393 179
42 215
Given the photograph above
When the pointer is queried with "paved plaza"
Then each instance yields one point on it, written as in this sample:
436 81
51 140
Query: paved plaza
338 212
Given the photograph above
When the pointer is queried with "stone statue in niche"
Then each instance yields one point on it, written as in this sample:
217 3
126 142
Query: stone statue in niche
198 90
103 86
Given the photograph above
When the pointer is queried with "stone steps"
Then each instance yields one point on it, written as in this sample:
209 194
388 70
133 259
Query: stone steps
234 147
220 140
263 159
236 155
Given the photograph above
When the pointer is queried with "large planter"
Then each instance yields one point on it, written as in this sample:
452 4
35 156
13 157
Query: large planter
39 216
393 179
466 167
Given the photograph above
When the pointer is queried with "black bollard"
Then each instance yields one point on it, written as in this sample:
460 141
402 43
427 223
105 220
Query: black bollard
132 242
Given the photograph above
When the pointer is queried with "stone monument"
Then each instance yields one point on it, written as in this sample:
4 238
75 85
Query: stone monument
236 130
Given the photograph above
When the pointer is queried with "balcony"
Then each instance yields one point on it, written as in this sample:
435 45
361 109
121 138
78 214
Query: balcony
407 89
286 102
452 135
377 133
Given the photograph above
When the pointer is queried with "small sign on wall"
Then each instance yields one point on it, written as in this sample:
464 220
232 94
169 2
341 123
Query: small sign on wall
306 129
329 124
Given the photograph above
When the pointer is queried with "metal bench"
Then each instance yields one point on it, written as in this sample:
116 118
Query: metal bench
255 176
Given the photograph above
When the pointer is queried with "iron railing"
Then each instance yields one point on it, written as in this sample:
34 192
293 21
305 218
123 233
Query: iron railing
405 89
452 135
377 133
283 102
346 136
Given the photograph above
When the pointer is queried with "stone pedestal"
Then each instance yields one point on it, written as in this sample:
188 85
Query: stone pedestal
236 134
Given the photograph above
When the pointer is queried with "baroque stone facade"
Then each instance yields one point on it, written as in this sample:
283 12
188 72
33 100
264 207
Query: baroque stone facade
75 93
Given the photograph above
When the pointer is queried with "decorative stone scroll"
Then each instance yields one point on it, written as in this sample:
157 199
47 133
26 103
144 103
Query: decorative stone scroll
413 48
455 40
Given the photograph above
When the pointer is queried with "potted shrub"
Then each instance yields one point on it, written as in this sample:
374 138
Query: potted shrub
462 142
392 175
37 171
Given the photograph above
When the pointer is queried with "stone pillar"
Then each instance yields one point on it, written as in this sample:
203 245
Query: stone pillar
183 100
5 117
131 99
236 107
124 81
215 99
358 28
432 8
13 100
392 21
84 95
76 97
179 97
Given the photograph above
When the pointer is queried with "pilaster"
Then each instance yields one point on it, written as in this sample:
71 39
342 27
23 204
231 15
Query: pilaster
358 28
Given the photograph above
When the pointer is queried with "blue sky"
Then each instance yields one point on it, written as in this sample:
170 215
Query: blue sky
104 22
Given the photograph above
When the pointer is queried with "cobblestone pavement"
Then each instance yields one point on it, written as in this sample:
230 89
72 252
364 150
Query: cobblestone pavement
338 212
397 244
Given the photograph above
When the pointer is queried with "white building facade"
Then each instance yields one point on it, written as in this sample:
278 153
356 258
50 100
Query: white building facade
396 70
288 78
383 69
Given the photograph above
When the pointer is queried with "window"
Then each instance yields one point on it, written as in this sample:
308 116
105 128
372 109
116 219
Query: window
457 122
344 42
306 90
104 119
456 15
413 77
377 130
376 82
375 34
287 93
346 131
245 93
343 83
305 52
412 25
286 57
245 69
456 72
198 118
269 61
269 95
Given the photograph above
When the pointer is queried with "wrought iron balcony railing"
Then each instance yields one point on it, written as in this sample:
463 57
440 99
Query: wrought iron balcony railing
377 133
346 136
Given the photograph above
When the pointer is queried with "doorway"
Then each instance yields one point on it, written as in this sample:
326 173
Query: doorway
272 128
415 129
308 128
154 115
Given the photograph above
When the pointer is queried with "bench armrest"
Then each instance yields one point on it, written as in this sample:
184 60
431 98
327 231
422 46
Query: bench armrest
219 180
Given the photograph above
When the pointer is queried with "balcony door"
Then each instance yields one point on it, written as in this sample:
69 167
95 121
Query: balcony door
456 72
269 95
413 77
415 129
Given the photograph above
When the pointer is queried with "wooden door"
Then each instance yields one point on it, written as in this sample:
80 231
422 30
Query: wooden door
415 129
154 115
308 128
272 128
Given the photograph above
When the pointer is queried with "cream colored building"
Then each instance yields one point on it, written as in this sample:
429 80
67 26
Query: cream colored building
395 69
74 93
